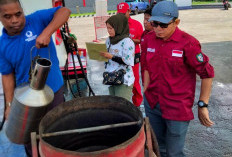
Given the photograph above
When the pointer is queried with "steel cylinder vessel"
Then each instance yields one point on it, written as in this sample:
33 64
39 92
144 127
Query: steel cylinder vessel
127 141
30 104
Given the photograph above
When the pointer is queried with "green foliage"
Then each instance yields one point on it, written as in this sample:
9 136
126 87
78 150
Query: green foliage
199 2
207 1
73 15
85 14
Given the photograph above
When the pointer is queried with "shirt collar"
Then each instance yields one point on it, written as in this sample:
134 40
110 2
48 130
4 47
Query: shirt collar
176 36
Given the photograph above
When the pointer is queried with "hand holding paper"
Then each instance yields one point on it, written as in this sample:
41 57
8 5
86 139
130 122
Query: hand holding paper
94 50
106 55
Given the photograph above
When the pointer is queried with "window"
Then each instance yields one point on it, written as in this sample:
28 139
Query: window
129 0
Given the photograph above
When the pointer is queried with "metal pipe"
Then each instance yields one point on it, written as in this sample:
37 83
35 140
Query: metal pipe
91 129
40 73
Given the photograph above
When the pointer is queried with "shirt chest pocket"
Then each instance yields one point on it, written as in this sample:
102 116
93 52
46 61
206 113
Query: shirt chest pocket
153 61
177 66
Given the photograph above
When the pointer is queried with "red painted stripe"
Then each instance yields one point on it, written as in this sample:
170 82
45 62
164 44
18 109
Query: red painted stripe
25 117
178 52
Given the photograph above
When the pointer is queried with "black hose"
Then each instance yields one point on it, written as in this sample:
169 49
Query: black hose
76 76
63 3
67 78
64 30
85 76
69 50
4 118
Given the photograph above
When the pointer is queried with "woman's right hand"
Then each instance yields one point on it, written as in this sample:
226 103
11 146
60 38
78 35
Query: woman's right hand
106 55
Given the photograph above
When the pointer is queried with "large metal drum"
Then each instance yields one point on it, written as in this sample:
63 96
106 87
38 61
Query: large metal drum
127 141
30 104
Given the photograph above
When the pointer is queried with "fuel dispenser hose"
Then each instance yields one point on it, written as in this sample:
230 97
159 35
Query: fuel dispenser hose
71 46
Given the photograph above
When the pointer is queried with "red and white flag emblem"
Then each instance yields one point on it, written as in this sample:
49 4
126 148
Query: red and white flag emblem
177 53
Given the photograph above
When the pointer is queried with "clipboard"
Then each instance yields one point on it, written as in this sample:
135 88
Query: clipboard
94 50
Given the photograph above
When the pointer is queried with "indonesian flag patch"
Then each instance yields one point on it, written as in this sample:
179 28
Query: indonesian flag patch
177 53
200 57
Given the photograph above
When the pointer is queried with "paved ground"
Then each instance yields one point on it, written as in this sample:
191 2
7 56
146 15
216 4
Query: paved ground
212 27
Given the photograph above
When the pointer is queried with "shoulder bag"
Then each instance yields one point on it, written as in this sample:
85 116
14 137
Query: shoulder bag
115 77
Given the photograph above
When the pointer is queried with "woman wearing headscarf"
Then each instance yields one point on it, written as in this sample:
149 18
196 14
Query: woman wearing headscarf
120 54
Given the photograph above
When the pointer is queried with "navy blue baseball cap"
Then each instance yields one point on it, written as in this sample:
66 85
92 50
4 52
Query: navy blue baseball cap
164 12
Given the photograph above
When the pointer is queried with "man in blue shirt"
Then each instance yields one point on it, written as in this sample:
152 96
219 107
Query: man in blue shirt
19 35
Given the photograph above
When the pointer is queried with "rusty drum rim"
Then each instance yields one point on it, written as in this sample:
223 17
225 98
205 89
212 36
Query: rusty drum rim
72 106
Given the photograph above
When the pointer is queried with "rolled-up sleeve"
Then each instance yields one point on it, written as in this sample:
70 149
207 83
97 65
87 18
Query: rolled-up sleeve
198 60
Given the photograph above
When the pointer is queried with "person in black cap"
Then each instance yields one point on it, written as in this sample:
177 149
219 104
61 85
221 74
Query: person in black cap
148 28
173 58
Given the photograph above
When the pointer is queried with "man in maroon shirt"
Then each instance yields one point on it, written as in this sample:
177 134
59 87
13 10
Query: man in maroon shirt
135 30
173 58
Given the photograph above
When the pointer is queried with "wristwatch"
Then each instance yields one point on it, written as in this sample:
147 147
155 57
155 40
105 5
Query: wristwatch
8 104
202 104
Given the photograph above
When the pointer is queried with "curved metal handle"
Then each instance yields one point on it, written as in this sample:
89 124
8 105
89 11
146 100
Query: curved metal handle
31 56
49 55
31 71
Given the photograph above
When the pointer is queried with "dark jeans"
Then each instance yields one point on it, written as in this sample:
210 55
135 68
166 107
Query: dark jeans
58 99
170 134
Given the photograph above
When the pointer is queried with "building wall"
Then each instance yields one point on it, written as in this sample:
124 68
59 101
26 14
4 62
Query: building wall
90 5
30 6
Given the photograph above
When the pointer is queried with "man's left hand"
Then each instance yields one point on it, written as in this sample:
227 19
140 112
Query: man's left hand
42 41
203 115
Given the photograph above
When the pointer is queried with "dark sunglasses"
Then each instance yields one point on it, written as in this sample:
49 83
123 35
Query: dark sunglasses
162 25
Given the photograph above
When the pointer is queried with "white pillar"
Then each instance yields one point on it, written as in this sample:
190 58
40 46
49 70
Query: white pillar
183 3
100 17
101 7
